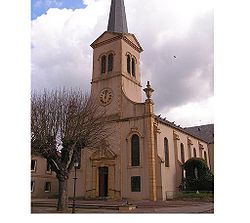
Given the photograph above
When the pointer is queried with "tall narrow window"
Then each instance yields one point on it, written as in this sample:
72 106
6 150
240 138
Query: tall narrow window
110 62
128 64
205 157
47 187
48 169
133 67
33 165
135 150
103 64
182 153
194 152
32 186
136 184
166 149
196 173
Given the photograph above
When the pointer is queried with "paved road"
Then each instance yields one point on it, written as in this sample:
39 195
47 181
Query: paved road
97 206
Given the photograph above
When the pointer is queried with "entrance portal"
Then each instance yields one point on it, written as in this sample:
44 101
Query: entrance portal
103 181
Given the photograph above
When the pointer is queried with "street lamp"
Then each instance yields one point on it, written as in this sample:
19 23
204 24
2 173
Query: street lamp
75 178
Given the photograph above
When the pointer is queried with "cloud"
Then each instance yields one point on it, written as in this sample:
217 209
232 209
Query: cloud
61 55
189 76
192 113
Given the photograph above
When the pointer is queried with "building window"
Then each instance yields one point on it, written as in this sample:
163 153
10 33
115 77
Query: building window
103 64
32 185
48 169
135 150
182 153
205 157
136 184
110 62
47 187
128 63
194 152
133 67
196 173
166 149
33 165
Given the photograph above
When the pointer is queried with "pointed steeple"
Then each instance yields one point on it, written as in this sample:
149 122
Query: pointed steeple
117 17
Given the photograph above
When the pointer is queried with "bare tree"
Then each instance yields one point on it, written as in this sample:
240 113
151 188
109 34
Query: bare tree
76 120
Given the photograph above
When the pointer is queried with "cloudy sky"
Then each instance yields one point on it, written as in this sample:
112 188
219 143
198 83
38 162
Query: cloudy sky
62 31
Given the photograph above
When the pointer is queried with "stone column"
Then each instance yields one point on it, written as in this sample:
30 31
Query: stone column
111 181
94 181
178 169
149 118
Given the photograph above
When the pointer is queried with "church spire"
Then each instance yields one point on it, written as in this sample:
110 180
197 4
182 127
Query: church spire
117 17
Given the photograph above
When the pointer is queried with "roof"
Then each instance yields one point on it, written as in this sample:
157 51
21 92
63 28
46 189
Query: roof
206 135
117 17
206 132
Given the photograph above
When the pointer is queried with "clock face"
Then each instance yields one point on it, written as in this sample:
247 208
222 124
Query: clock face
105 96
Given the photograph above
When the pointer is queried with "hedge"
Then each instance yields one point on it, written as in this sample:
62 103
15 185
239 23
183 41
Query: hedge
203 180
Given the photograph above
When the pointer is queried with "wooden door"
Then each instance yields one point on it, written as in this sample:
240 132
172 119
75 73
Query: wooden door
103 181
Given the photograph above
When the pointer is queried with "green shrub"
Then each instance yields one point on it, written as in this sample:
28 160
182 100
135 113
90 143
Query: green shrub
198 175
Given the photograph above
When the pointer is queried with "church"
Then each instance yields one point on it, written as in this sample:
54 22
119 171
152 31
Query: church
143 158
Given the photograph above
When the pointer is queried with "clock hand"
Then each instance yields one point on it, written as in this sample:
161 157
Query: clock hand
105 95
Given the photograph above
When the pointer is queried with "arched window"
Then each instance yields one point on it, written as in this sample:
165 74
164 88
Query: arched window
128 64
196 173
182 153
166 149
135 150
133 67
110 62
205 156
103 64
194 152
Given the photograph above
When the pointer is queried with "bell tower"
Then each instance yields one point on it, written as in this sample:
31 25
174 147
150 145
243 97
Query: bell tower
116 62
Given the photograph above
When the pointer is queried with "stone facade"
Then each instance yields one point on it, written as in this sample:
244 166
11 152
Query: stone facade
43 181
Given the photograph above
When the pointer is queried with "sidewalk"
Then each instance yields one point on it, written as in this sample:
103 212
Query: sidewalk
101 206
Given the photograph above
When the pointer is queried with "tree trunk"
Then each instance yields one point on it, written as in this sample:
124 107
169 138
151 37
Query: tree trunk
62 205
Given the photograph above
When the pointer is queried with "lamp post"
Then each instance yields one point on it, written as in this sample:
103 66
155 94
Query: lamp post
75 178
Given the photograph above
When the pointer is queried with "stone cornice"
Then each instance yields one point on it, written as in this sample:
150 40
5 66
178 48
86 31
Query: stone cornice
119 36
189 141
139 49
103 154
95 45
175 135
156 129
116 75
200 145
134 129
172 125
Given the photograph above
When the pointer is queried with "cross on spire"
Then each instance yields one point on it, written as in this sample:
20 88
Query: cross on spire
117 17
